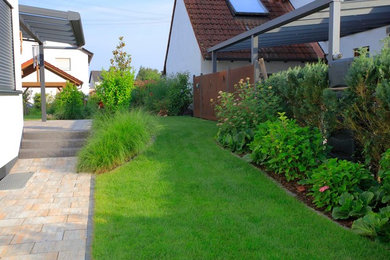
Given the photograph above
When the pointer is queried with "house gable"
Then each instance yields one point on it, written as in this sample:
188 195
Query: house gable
183 52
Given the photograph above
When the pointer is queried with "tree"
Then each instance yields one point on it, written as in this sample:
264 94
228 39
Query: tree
118 82
148 74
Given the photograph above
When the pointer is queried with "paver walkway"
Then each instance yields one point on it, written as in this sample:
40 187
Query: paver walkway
50 217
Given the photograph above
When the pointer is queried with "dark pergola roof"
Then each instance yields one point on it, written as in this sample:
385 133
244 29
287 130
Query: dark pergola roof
41 25
310 23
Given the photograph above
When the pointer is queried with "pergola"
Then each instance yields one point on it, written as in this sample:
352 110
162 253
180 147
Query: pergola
321 20
41 25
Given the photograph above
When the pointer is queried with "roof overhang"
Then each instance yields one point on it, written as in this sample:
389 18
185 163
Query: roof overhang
42 25
310 23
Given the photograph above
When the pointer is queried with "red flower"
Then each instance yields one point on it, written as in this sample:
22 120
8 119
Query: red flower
324 188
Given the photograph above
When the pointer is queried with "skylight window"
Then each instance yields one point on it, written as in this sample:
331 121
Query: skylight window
248 7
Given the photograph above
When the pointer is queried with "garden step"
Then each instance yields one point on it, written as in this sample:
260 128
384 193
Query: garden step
54 135
47 153
52 144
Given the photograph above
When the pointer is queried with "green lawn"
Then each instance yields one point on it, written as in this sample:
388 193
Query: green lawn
186 198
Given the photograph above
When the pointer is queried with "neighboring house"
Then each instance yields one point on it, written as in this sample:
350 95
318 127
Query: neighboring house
11 108
95 78
68 59
349 44
198 25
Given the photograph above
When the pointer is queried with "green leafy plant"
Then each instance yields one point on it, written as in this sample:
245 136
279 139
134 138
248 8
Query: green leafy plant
335 177
69 103
286 148
350 205
118 82
374 225
384 177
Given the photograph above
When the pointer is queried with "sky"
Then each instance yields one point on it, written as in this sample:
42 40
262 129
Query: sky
143 23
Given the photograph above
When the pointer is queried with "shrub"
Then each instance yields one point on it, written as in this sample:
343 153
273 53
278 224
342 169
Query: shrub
118 82
374 225
148 74
156 97
240 112
115 139
69 103
179 94
286 148
92 106
335 177
367 111
307 85
167 96
115 89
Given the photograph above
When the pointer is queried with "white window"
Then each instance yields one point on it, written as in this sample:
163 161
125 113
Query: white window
63 63
248 7
7 66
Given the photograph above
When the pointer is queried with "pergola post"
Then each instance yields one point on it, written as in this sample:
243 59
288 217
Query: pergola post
214 58
255 56
42 81
334 30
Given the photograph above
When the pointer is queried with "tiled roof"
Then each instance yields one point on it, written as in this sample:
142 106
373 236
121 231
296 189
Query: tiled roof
213 22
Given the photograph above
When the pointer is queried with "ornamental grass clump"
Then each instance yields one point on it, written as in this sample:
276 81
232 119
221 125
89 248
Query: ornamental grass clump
115 139
284 147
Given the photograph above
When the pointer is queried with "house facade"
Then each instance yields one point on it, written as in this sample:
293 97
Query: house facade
349 44
65 57
199 25
11 104
95 78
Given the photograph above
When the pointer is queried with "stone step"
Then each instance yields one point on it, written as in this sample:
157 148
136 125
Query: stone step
54 135
52 144
29 153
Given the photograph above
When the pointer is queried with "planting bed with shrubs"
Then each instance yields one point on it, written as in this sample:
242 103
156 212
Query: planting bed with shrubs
284 123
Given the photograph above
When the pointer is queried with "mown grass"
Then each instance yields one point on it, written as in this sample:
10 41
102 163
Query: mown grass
115 139
186 198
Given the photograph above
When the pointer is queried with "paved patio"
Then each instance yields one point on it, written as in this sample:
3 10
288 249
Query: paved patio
51 217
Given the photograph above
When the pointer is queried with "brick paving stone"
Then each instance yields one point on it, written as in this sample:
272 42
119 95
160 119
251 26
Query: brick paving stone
75 234
62 227
11 222
5 240
30 237
47 256
71 255
19 249
44 220
57 246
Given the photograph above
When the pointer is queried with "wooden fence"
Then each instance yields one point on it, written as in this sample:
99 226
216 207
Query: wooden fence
206 87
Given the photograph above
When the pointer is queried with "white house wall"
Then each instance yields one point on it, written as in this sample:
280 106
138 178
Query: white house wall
372 38
271 66
79 65
183 54
11 107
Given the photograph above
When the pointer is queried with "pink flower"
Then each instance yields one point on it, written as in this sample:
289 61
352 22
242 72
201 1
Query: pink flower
324 188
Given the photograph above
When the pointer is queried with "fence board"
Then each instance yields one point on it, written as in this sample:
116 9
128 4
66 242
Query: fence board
207 86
